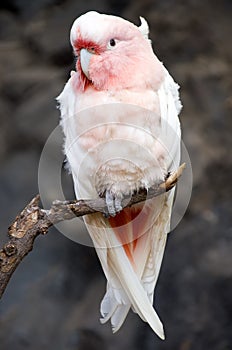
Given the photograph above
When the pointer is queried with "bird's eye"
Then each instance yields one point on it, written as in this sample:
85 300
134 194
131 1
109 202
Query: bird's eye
112 42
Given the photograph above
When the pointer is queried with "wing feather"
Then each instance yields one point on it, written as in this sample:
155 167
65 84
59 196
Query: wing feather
170 107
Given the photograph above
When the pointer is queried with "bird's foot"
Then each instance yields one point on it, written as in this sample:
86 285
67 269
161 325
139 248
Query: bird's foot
117 197
113 202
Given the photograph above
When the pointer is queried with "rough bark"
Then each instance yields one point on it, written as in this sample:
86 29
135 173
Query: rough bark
33 221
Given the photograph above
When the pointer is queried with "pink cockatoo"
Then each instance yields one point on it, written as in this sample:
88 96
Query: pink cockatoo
119 114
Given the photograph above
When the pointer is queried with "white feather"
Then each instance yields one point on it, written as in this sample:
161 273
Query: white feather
127 286
170 107
144 28
118 265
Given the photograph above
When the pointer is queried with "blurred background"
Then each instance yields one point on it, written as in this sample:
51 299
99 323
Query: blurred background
52 301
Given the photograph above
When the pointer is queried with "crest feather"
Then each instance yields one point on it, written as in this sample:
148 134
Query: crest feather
144 28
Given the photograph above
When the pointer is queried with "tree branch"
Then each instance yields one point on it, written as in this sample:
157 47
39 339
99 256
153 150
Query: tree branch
33 221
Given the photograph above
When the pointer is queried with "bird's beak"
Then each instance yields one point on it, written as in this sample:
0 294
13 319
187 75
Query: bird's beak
85 57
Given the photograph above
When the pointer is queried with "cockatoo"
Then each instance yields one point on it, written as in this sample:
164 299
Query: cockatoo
119 114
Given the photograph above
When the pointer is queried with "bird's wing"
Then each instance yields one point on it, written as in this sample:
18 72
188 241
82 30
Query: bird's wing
170 107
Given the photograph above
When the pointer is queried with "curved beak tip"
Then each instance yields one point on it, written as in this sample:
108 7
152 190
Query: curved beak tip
85 57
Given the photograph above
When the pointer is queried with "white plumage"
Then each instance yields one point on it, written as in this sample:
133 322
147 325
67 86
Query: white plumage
117 139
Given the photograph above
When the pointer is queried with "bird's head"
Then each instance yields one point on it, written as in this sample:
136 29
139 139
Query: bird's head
112 53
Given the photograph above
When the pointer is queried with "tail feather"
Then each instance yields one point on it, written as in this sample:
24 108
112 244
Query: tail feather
134 290
108 306
131 269
119 317
112 308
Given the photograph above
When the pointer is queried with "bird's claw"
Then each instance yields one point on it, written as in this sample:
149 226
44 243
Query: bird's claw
113 202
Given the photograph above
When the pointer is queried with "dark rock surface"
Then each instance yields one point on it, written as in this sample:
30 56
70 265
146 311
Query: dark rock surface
52 301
